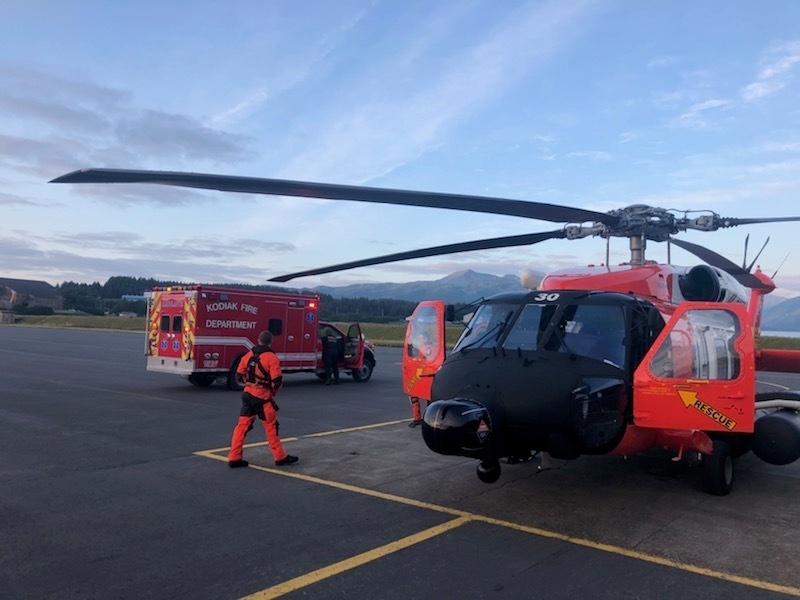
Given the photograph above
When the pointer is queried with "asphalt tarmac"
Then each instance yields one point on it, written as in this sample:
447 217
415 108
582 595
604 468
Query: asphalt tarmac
114 484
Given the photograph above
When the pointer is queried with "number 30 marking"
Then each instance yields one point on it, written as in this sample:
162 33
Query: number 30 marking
543 297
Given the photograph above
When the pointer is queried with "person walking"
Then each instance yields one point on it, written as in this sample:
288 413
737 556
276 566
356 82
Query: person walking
261 371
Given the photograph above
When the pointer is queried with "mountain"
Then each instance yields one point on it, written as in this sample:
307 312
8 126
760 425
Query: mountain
462 287
784 316
456 288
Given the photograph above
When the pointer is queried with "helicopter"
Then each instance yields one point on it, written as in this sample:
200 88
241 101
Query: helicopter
592 360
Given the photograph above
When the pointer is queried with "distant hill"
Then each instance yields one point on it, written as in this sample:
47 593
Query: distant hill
784 316
465 286
456 288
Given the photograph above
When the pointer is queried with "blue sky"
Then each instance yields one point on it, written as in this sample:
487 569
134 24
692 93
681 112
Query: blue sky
599 105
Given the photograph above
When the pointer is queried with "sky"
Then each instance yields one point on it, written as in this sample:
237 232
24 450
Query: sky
595 104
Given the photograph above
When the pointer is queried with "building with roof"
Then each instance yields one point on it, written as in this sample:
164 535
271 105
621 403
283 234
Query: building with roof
28 293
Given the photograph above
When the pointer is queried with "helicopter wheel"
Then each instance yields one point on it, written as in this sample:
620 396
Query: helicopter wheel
717 470
489 472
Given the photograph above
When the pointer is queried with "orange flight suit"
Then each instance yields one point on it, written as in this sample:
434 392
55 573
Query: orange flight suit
258 400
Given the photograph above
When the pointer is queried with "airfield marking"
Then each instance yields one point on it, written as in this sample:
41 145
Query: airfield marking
310 435
462 517
355 561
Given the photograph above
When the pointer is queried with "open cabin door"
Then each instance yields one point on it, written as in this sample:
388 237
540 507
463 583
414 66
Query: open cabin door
424 348
699 373
353 347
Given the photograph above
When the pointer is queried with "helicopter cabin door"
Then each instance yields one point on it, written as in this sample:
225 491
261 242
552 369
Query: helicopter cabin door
699 373
424 348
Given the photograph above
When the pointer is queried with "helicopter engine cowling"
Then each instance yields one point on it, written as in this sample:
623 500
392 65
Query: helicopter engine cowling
776 437
459 427
707 284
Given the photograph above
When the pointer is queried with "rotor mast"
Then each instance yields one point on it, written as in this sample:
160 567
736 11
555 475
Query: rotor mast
638 243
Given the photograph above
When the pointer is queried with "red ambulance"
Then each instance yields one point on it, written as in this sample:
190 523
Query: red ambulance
200 332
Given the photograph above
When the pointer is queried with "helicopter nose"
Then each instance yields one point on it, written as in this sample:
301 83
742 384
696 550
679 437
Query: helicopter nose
459 426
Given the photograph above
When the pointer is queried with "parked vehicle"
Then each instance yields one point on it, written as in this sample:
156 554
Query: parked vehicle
201 332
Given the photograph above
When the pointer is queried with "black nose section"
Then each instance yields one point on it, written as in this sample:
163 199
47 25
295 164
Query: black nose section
460 427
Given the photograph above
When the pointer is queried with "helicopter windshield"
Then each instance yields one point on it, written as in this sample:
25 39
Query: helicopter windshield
485 326
595 331
527 330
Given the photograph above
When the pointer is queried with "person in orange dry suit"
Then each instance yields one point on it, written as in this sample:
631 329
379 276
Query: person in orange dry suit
420 349
261 371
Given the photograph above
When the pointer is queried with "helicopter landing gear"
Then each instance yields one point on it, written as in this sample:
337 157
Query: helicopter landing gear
489 471
717 470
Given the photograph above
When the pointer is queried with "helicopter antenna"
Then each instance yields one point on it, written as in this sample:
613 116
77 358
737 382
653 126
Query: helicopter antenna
780 265
750 268
744 257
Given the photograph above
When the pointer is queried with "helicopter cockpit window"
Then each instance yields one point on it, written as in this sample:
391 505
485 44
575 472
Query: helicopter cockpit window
527 329
595 331
485 326
700 346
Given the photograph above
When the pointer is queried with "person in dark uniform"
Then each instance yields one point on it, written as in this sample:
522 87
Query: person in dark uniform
331 355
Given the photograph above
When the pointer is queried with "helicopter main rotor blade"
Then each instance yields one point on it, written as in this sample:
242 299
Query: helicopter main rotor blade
502 242
281 187
717 260
734 222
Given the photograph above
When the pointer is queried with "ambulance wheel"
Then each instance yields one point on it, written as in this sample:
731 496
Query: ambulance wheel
201 379
717 470
235 382
365 372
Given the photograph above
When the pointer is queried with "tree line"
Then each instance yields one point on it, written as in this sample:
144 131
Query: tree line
98 299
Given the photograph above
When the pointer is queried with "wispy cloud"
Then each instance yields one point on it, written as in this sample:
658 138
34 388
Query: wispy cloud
590 154
311 63
384 131
660 62
775 72
61 124
697 115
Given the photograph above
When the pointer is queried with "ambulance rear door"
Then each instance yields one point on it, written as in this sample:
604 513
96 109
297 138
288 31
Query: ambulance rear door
171 335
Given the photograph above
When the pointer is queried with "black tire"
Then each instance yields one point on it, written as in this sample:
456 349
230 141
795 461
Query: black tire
717 470
489 472
234 381
365 372
202 379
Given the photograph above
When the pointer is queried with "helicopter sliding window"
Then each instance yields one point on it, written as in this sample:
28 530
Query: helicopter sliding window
485 326
700 346
594 331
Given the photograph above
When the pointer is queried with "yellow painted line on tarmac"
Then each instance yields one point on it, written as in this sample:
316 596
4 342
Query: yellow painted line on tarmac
356 561
311 435
464 517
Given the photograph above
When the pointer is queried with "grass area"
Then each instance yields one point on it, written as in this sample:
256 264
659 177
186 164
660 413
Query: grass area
83 322
382 334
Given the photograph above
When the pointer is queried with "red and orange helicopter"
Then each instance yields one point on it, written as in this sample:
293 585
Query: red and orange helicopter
590 361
